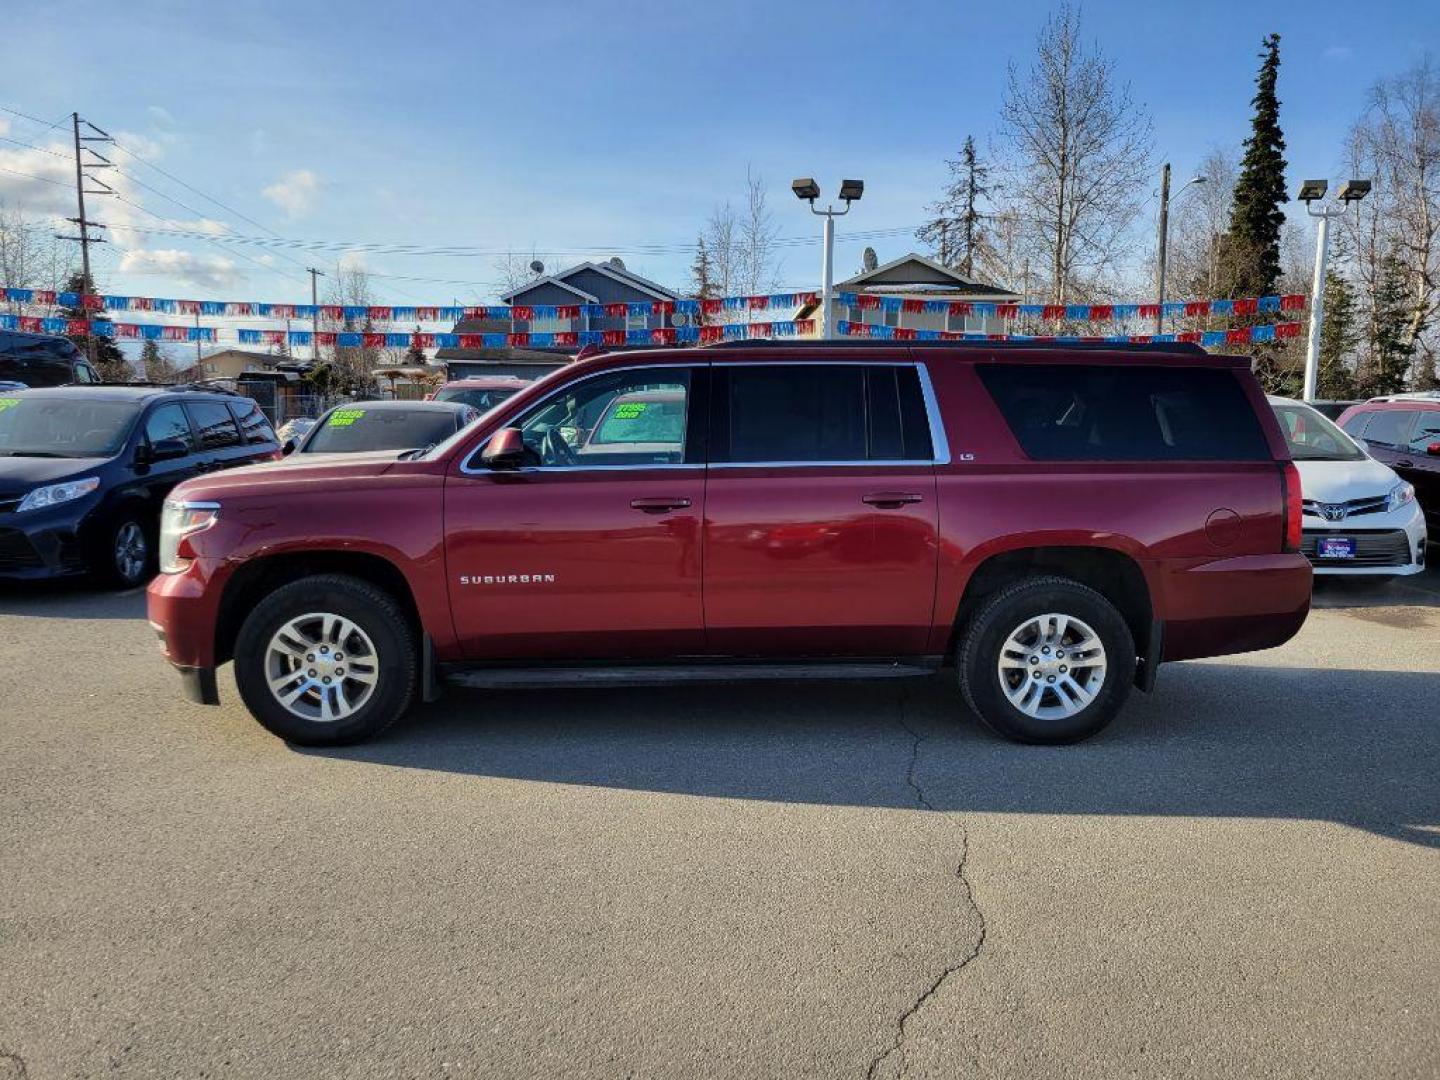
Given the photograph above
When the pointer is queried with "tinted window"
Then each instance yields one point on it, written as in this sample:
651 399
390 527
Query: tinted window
167 422
626 418
484 400
1390 427
253 425
351 429
895 409
805 412
1427 429
215 425
54 427
1081 412
84 373
1355 424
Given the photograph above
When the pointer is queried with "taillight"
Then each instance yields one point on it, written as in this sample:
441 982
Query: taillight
1290 478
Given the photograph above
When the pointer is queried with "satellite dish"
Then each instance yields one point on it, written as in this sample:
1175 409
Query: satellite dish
538 267
869 260
616 262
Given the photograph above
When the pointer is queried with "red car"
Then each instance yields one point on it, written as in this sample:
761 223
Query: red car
1403 431
482 392
1050 522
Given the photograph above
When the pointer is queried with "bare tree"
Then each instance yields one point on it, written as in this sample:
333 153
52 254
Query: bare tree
1078 157
721 235
757 238
30 255
1198 221
514 270
1397 142
353 366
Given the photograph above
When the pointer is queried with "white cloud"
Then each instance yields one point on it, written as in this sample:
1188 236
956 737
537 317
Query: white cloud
294 192
202 271
160 115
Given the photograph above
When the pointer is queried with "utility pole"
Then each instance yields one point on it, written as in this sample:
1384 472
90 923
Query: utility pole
1164 236
83 222
199 367
314 313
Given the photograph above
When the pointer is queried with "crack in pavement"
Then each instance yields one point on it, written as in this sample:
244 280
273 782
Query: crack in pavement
898 1046
12 1065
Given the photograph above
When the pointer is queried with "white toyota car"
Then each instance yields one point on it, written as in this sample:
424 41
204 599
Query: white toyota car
1359 518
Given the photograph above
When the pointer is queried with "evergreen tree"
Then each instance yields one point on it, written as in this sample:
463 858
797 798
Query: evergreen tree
1252 246
415 355
956 232
1391 347
1339 338
110 361
155 365
702 285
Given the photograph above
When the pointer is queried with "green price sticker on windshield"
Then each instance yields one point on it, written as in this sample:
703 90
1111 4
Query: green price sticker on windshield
344 417
8 403
629 410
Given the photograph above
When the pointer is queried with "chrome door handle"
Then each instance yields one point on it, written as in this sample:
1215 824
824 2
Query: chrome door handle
890 500
659 504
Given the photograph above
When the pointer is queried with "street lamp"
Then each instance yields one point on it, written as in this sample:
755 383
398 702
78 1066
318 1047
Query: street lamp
1311 192
807 190
1165 237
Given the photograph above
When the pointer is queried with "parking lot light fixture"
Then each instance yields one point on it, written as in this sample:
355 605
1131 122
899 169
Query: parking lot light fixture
1311 192
807 190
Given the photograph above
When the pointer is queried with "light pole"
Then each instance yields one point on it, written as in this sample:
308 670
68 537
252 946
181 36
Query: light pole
1311 192
806 189
1164 238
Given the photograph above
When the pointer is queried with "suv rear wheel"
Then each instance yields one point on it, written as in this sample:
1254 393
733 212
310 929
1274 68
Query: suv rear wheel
1046 660
326 660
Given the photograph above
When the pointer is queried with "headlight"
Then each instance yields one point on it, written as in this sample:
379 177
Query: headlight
1400 495
54 494
178 521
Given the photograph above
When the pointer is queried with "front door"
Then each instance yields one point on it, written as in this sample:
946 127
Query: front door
1422 468
593 548
820 511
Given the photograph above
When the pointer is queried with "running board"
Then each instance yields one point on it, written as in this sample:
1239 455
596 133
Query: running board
539 678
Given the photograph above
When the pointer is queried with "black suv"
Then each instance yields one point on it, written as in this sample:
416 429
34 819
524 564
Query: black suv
84 471
42 360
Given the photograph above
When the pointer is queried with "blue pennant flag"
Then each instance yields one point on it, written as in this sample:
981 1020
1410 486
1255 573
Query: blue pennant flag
249 337
1212 337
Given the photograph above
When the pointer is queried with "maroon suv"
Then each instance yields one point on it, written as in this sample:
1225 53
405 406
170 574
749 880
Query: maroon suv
1051 522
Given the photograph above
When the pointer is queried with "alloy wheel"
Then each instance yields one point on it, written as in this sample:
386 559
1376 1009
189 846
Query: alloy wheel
132 551
1052 666
321 667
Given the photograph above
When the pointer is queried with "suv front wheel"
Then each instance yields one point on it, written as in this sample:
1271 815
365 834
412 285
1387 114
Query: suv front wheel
1046 660
326 660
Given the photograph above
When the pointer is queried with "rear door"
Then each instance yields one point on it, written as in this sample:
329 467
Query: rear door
1387 433
259 438
820 510
219 437
167 421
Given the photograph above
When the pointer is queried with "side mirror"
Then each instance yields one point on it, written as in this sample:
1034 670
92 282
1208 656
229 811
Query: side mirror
166 450
505 450
289 447
1433 449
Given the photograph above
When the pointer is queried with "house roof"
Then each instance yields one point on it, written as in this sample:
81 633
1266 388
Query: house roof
615 273
933 276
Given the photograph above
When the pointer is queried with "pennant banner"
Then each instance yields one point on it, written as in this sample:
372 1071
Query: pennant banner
1074 312
1238 335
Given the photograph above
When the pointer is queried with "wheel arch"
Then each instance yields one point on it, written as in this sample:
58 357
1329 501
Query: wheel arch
1114 573
259 577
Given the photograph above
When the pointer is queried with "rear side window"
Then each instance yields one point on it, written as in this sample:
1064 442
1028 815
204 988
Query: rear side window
778 413
167 422
1355 425
1082 412
1427 429
253 425
215 425
1390 427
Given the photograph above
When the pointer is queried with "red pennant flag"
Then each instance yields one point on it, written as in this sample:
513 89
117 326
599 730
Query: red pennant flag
127 330
1149 311
1190 337
521 312
663 335
381 314
914 307
77 326
710 307
807 299
710 334
517 341
757 303
567 338
44 296
613 337
1054 311
567 311
803 327
866 302
615 311
1140 339
424 341
1287 329
92 303
662 307
959 309
142 303
1102 312
331 311
1007 311
30 323
761 329
188 307
325 337
1237 335
996 337
175 333
1248 306
1197 309
1292 302
904 333
273 337
427 314
472 341
373 341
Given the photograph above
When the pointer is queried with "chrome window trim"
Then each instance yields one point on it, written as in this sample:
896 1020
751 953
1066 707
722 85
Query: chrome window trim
939 443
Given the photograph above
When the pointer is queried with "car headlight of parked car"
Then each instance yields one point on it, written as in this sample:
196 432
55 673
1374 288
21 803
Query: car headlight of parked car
178 522
54 494
1400 495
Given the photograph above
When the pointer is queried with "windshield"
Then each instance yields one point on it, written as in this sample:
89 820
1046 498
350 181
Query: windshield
484 400
1314 438
352 429
56 427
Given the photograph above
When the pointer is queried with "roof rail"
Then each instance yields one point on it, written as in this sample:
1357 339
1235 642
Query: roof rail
891 343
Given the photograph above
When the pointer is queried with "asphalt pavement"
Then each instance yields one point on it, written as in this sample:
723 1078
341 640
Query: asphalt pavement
1241 877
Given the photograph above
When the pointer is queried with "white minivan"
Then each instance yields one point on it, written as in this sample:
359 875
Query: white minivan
1359 517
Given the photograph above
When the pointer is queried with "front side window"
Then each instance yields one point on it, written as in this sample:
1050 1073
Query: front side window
167 422
821 413
639 417
214 424
1311 437
1427 430
1390 427
1130 412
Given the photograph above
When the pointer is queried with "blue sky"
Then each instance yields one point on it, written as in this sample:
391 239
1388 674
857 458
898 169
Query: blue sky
554 127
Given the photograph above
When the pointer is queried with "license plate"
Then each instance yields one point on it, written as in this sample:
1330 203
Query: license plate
1336 547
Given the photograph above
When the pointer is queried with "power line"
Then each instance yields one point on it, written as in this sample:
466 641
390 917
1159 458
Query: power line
32 146
32 176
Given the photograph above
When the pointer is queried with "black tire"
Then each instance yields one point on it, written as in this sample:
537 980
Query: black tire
978 656
126 556
375 612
